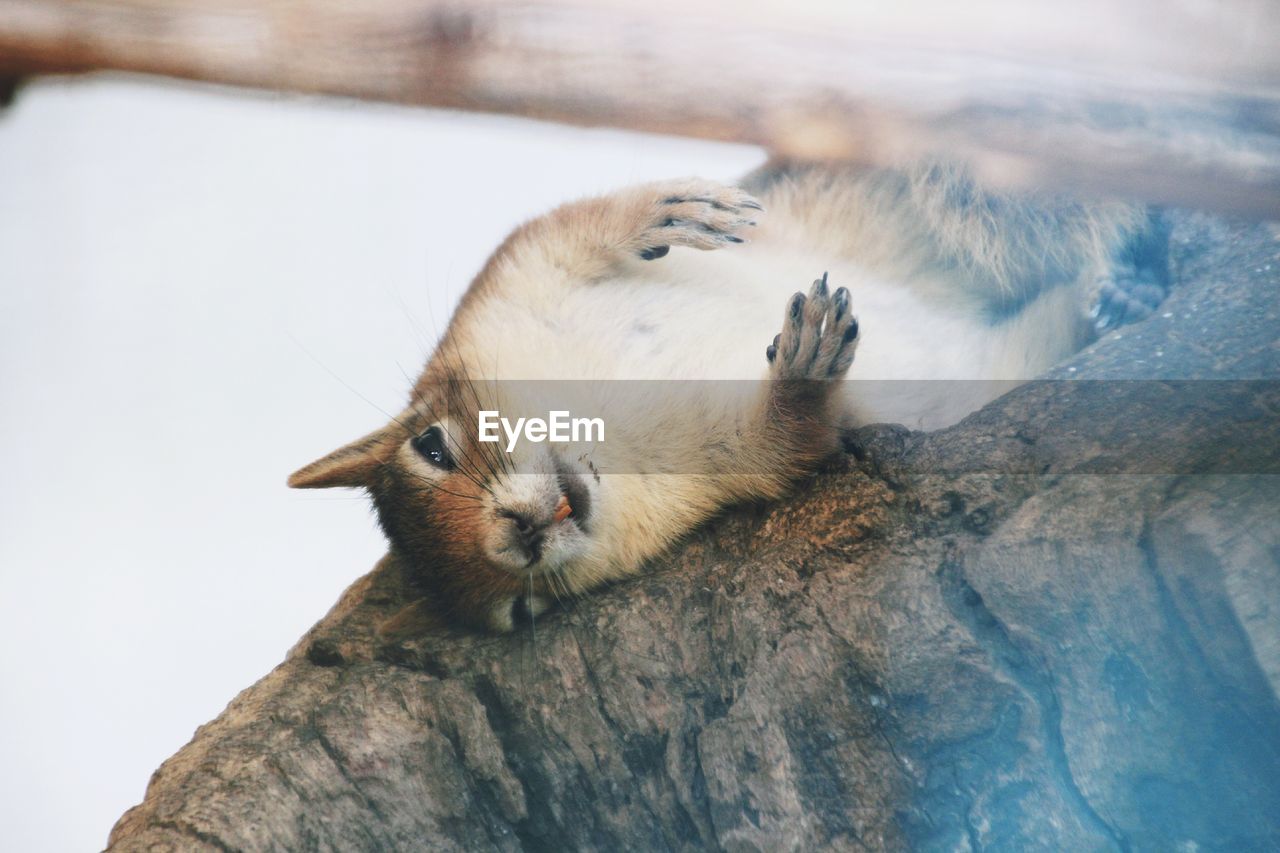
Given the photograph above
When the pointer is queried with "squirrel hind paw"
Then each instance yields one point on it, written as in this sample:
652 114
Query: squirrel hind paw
1139 278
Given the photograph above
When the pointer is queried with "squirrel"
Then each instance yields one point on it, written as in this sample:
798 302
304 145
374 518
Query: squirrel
919 274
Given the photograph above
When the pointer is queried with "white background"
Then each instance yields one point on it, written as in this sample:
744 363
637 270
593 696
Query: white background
180 269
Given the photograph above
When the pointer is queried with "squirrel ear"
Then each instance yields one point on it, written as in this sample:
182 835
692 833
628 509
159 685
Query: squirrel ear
352 465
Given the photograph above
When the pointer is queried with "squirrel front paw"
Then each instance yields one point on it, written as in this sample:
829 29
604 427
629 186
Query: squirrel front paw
696 213
819 336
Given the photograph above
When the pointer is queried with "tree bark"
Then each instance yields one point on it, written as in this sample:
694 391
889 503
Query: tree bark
1055 625
1170 102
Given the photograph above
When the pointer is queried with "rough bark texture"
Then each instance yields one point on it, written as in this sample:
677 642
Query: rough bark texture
1170 101
1053 626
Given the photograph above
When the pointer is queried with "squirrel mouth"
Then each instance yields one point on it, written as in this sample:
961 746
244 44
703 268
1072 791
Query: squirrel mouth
575 498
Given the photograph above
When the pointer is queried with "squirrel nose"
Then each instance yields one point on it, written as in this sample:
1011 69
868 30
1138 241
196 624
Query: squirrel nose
529 531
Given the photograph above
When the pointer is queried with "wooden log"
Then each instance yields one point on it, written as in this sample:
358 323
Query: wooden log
1169 102
1050 627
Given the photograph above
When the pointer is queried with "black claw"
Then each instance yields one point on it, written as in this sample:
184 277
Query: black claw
654 253
841 300
851 332
777 339
734 239
771 352
797 302
752 205
824 278
820 286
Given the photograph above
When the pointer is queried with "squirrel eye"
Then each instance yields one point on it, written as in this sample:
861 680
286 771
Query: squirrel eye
430 446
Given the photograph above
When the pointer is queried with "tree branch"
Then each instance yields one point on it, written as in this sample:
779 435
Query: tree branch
1051 626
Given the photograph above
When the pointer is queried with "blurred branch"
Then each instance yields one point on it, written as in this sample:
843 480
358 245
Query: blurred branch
1173 102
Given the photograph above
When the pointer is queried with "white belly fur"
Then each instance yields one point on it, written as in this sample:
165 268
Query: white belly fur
710 315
